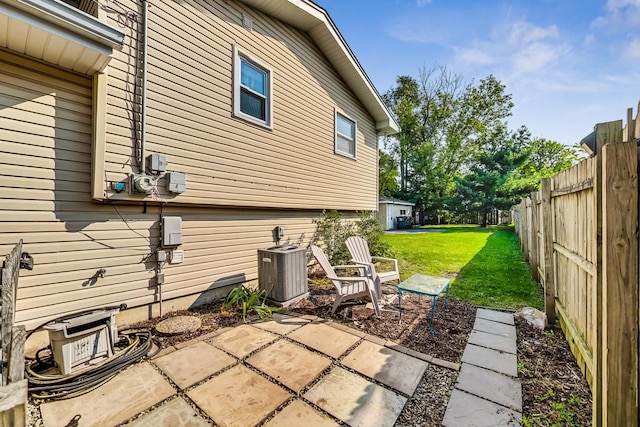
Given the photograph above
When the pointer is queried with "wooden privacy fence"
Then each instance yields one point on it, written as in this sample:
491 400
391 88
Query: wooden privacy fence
13 386
580 235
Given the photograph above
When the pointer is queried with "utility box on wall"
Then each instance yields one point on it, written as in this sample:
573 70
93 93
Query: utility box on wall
282 273
171 231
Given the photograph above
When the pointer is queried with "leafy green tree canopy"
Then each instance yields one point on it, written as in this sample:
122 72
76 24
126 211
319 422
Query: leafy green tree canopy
442 123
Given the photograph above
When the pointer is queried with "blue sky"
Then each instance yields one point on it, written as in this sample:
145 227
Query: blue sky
569 64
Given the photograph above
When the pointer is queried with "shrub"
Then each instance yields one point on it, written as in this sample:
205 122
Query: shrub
332 231
372 231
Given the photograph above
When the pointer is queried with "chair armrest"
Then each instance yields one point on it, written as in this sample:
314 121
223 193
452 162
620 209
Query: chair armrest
384 259
348 279
395 261
362 271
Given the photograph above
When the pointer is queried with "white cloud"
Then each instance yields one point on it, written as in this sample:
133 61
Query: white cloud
632 50
421 3
620 17
474 56
524 32
536 57
617 4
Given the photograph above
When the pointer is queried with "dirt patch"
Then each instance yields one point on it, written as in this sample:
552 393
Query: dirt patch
554 391
452 322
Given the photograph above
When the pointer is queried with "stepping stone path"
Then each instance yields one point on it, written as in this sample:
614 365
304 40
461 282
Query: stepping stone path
290 371
488 392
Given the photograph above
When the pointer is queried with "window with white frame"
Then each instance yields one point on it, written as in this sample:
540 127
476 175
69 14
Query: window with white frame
403 211
251 89
345 136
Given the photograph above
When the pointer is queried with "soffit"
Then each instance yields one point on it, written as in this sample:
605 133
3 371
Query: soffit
58 33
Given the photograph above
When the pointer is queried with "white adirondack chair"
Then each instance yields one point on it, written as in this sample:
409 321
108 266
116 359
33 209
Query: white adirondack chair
348 288
360 254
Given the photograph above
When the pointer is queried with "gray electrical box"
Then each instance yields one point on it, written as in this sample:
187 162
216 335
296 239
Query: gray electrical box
156 163
171 231
176 182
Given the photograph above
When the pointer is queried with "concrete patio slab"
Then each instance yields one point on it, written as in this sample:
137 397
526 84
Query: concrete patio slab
467 410
356 401
299 413
282 324
496 328
126 395
496 316
238 397
399 371
290 364
490 385
175 413
496 342
185 367
243 340
324 338
505 363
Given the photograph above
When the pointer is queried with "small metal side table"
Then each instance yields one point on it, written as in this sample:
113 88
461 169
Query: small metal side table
422 284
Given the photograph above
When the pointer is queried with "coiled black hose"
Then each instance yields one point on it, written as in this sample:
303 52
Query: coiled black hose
130 349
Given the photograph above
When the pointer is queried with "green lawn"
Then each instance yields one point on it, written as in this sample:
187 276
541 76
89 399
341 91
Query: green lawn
487 264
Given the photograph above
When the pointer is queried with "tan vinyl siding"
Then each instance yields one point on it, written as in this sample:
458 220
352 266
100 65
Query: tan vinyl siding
45 182
228 161
242 180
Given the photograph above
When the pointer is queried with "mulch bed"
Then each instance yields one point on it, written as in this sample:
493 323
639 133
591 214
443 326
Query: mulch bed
554 391
452 326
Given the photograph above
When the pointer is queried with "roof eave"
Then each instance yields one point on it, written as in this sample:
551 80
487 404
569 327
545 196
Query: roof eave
313 19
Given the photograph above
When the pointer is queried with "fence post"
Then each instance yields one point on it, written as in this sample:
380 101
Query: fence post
533 261
7 314
620 284
525 230
549 273
606 133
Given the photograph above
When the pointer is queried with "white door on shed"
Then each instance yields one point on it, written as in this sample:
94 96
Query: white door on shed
389 217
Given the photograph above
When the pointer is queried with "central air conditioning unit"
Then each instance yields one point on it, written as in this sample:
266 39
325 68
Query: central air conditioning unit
282 273
82 341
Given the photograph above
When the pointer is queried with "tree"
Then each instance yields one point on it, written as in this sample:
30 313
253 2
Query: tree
549 158
491 183
387 175
441 123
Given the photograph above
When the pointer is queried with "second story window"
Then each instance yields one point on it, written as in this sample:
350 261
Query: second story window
345 136
252 90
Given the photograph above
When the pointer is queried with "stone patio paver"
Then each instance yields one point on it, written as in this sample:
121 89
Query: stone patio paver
187 366
491 385
467 410
126 395
496 342
243 340
281 324
505 363
399 371
495 328
175 413
238 397
290 364
299 413
324 338
356 401
496 316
